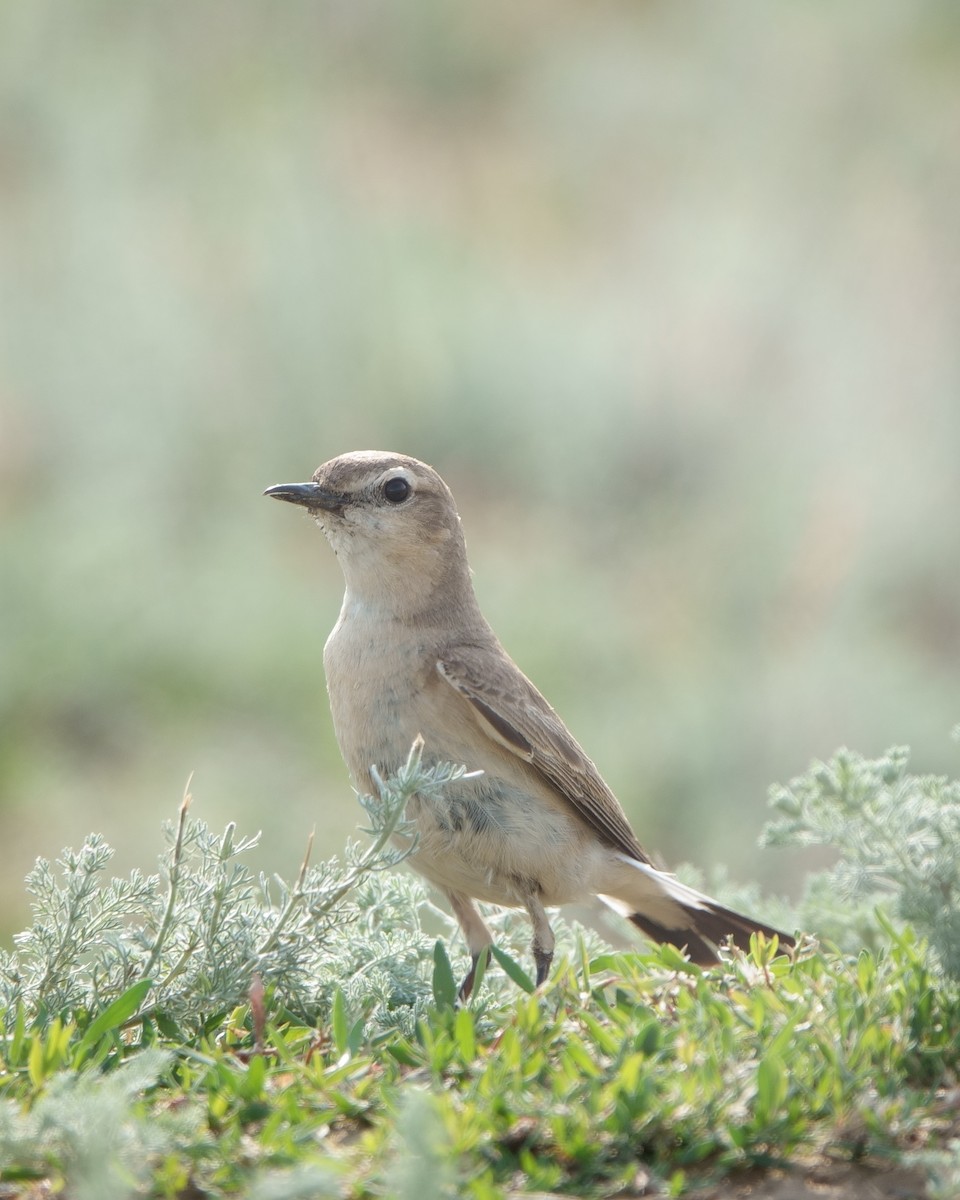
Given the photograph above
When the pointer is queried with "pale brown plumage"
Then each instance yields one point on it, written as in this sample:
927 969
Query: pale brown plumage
514 712
412 654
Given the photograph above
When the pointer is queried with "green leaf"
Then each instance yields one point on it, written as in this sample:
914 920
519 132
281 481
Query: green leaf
355 1036
15 1050
48 1051
578 1054
168 1027
607 1039
605 962
444 984
113 1016
35 1061
781 1044
514 970
251 1081
772 1087
676 1185
584 960
673 960
339 1022
464 1035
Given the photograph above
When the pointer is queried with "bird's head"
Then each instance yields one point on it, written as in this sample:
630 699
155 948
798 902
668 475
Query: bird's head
392 523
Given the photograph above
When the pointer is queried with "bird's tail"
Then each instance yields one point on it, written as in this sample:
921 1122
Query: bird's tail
666 910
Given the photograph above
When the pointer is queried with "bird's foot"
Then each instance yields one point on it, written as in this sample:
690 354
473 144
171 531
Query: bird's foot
468 980
543 959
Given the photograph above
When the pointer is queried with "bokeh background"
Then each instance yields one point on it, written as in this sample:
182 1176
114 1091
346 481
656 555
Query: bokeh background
670 294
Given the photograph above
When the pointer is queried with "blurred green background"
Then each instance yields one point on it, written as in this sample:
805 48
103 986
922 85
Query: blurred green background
670 295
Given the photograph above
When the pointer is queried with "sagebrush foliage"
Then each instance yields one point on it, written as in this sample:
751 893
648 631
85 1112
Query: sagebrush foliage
622 1066
136 1059
205 925
202 927
898 838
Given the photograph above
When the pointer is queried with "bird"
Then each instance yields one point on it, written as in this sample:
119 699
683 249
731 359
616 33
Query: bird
532 825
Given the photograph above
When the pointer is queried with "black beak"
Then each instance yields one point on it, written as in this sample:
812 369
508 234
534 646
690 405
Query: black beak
309 495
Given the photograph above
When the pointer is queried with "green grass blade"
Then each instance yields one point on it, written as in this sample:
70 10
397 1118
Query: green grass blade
514 970
113 1016
444 984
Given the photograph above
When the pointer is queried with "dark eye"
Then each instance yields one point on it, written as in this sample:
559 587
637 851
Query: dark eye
396 490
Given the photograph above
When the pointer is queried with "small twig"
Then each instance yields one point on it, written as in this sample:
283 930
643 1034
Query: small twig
174 883
177 968
294 900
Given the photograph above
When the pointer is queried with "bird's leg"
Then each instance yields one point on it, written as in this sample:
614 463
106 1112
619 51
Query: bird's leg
543 939
476 935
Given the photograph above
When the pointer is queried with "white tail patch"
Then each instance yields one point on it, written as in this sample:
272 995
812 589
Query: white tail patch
639 884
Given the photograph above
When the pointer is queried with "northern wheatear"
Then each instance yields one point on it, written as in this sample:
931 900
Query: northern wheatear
412 654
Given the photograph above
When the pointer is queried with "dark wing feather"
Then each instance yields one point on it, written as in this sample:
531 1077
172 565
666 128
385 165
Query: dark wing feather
517 717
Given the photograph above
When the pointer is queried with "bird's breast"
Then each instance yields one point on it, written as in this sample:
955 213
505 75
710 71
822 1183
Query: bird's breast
492 836
373 678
